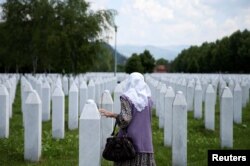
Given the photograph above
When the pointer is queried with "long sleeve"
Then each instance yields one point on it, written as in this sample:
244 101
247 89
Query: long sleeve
125 116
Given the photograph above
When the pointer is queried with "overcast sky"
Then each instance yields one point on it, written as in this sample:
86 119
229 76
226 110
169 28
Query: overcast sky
175 22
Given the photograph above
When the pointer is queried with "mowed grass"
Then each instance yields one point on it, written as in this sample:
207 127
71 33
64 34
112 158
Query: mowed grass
65 152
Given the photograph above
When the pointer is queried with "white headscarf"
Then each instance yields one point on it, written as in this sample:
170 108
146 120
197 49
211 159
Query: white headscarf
137 91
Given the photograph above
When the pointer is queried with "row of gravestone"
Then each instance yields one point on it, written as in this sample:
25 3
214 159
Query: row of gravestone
91 121
38 92
31 95
190 87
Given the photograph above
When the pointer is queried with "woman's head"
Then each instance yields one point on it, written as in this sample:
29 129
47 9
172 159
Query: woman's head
135 80
137 90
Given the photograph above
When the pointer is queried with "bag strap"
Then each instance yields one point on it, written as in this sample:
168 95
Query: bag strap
113 133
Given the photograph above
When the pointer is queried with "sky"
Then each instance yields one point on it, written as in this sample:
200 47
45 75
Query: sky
175 22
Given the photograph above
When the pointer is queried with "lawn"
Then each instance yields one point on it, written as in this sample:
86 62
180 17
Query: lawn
65 152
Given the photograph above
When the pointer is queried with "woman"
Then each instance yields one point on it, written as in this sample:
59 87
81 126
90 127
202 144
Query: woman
135 117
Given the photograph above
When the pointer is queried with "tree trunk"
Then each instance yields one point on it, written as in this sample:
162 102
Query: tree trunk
17 68
34 64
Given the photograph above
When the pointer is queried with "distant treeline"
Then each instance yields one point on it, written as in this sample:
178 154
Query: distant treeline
54 36
230 54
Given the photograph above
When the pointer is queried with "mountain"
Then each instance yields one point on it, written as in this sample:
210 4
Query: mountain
121 59
166 52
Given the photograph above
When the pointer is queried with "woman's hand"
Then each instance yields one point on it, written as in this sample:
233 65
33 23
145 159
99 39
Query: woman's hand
107 113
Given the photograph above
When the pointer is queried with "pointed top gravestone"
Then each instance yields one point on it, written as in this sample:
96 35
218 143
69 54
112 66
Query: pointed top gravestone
226 118
106 97
179 144
83 84
3 90
117 93
107 123
83 95
58 91
91 90
33 127
210 108
58 113
46 98
73 107
237 98
161 102
33 98
198 101
168 123
90 135
90 110
73 87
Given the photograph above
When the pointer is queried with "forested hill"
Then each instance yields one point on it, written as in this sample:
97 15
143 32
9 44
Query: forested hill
229 54
121 59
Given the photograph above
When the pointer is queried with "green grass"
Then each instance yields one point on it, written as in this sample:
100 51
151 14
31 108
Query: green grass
65 152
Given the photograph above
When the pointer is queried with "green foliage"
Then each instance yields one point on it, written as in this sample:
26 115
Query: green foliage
143 63
53 36
147 61
230 54
164 62
134 64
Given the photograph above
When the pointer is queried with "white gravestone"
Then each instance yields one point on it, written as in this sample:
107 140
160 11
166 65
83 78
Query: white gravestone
168 123
106 123
117 102
190 96
33 127
210 108
226 119
46 101
237 98
8 87
73 107
179 146
71 80
83 96
198 101
58 108
98 91
4 112
90 135
91 90
26 91
244 93
39 88
162 105
65 85
158 101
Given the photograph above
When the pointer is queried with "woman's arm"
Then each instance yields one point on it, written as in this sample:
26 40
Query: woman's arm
108 114
125 116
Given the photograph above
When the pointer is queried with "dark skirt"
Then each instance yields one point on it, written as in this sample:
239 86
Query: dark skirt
141 159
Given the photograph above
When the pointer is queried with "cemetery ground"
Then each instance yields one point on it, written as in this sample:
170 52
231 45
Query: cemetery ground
65 152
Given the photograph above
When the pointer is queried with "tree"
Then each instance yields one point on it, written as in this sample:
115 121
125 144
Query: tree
230 54
54 35
134 64
147 61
